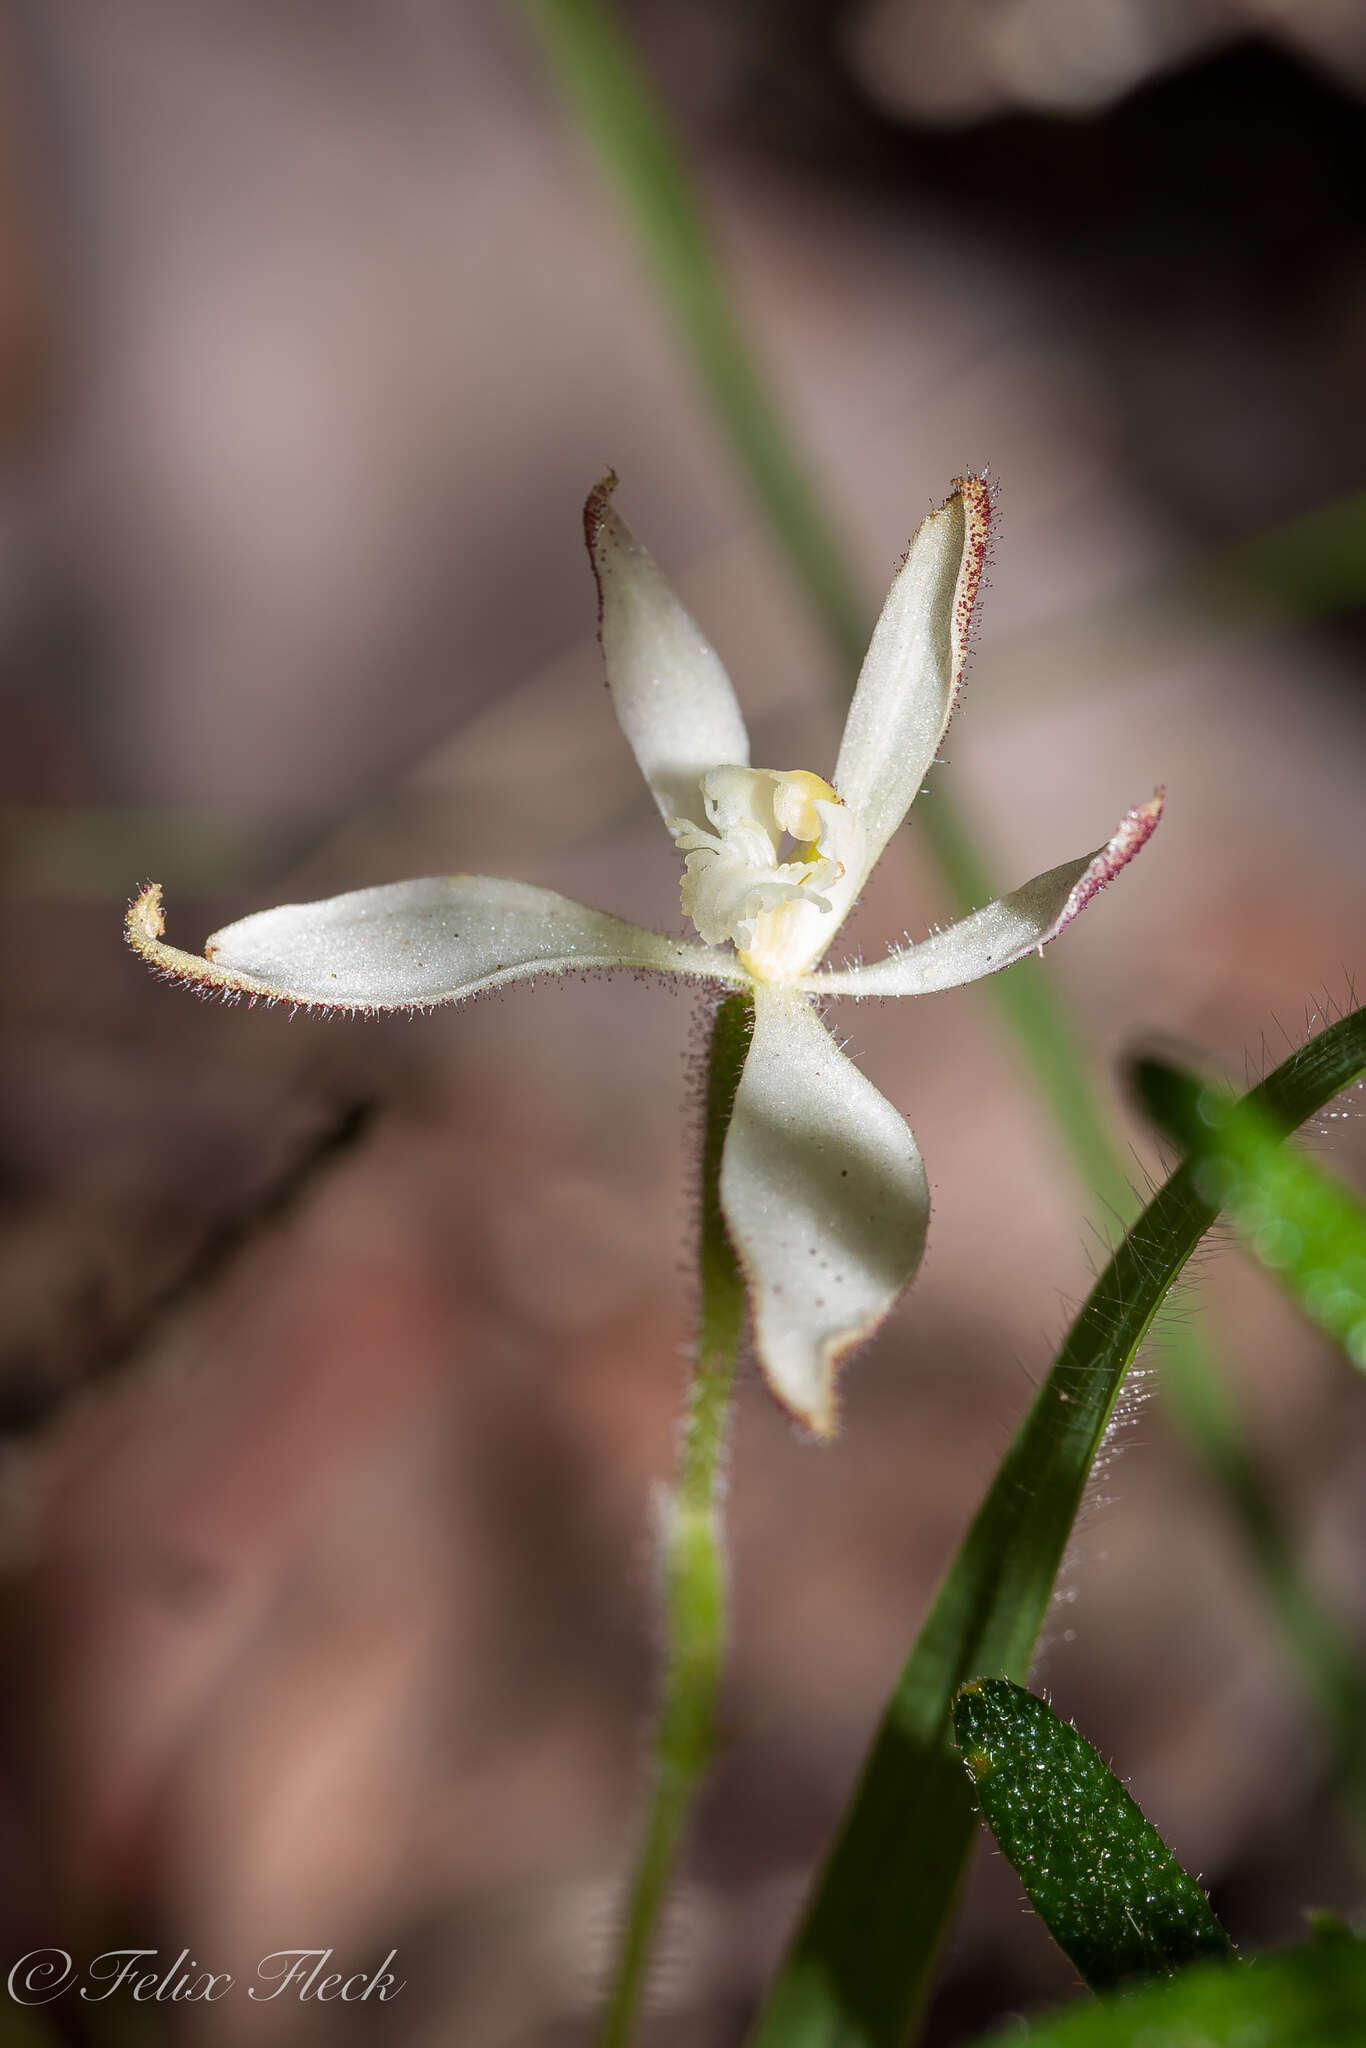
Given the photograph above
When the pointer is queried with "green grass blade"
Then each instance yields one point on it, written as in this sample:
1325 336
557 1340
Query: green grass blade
1312 1997
860 1967
1299 1222
1098 1874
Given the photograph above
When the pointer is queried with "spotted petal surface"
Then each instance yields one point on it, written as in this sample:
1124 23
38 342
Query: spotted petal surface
409 944
825 1198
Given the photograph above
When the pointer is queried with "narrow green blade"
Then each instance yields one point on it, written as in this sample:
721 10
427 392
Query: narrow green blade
1301 1223
1098 1874
1312 1997
860 1967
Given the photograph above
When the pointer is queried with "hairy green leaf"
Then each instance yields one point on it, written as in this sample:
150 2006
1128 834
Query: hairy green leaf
1097 1872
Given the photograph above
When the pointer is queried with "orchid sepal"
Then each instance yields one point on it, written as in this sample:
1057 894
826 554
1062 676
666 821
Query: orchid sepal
674 701
912 675
1001 933
412 945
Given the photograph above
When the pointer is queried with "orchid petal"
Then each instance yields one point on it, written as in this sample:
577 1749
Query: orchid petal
409 944
1003 932
825 1198
672 697
913 670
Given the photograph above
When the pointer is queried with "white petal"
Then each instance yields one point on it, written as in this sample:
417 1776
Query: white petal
1005 931
914 666
672 697
409 944
825 1199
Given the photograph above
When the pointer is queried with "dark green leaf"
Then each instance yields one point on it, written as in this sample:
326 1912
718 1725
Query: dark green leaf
1098 1874
1311 1997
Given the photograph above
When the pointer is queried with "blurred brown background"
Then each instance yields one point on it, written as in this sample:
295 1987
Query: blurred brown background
327 1587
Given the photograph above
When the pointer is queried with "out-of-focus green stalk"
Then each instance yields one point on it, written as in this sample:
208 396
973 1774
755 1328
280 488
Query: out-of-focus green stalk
1038 1021
629 128
1329 1665
1302 568
694 1551
1325 1224
601 78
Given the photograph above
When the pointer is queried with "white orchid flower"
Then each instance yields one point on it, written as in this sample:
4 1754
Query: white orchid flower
822 1184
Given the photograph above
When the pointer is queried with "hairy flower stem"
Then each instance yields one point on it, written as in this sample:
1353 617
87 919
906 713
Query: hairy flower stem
694 1550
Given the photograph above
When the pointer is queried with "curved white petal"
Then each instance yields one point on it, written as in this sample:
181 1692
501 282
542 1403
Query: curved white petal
1005 931
408 944
913 670
825 1198
672 697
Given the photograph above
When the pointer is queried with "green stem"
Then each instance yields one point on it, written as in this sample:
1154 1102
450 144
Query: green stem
694 1553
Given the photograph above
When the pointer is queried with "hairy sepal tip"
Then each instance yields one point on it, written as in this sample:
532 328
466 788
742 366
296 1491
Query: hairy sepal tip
596 507
1132 834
